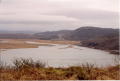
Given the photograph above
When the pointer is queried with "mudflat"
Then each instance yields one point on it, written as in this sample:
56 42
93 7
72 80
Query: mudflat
22 43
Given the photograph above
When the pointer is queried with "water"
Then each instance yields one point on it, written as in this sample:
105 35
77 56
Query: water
61 55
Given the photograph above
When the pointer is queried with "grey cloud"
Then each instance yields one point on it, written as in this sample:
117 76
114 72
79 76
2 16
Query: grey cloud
57 14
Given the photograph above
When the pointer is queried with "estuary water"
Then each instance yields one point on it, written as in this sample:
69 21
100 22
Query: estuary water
57 55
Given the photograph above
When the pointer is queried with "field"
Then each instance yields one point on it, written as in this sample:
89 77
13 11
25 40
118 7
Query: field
21 43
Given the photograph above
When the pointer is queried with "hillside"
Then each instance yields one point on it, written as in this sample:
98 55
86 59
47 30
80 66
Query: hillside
80 34
109 43
95 37
53 35
87 33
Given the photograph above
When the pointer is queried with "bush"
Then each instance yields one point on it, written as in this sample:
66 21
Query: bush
27 69
27 63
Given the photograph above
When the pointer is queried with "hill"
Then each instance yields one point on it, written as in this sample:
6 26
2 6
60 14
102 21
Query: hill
80 34
87 33
53 35
16 36
109 43
95 37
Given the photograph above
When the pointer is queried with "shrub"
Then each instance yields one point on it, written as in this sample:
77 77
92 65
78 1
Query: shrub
27 63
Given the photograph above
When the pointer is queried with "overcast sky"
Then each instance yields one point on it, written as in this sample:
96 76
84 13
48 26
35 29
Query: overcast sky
42 15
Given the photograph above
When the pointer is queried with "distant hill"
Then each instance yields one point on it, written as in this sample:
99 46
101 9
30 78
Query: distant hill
53 35
95 37
16 36
16 32
80 34
87 33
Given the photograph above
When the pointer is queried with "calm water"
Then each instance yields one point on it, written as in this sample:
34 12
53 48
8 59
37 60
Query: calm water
61 55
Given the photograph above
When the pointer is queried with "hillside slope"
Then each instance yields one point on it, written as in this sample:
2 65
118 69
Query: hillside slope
109 43
95 37
87 33
80 34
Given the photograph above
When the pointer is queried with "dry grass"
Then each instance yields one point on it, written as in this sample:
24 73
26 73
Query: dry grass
20 43
12 44
27 69
58 42
16 45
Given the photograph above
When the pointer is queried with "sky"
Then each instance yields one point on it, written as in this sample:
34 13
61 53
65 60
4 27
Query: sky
51 15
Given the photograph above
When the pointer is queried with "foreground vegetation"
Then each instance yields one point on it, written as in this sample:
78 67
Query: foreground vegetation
27 69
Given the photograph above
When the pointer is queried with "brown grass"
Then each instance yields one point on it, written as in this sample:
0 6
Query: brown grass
26 69
16 45
20 43
58 42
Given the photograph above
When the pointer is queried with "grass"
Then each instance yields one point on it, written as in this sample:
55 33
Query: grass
20 43
16 45
27 69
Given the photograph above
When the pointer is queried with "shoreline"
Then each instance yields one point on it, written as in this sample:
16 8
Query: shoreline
21 43
115 52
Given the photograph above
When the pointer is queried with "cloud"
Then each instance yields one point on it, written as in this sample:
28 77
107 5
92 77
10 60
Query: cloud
57 14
